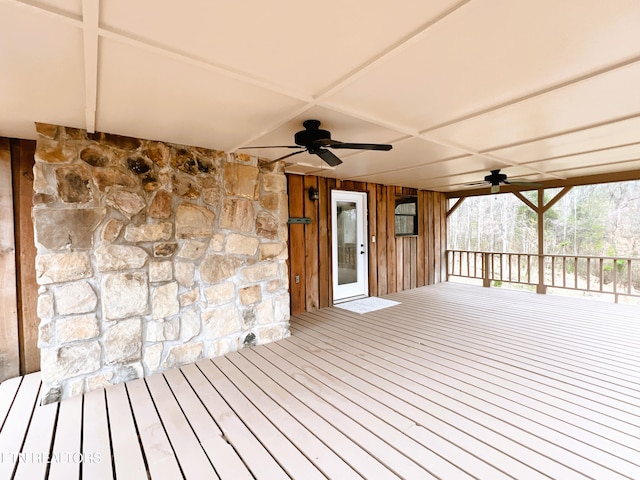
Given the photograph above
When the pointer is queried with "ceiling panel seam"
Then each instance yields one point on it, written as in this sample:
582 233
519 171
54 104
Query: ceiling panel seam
584 152
415 134
52 12
539 93
199 62
389 52
275 125
562 133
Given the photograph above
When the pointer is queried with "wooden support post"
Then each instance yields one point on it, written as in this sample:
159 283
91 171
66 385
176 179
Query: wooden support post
541 287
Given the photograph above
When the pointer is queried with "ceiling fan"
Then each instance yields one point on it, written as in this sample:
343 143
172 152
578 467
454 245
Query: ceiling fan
314 140
496 178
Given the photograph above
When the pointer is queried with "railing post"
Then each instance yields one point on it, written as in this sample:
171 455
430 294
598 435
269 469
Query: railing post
447 272
486 271
541 287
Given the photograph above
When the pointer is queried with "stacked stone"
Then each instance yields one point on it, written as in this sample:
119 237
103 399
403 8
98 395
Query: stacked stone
152 255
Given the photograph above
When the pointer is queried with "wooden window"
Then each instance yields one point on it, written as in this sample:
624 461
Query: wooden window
406 213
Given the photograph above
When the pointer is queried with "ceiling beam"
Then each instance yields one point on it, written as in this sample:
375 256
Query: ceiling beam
90 19
50 11
629 175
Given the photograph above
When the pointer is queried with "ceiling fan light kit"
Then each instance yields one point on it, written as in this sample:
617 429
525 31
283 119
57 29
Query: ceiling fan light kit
316 141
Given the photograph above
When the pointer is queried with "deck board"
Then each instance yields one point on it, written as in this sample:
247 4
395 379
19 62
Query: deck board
224 459
96 444
128 459
67 444
455 382
17 423
161 458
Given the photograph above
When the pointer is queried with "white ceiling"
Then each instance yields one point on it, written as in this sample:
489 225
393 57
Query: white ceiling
543 89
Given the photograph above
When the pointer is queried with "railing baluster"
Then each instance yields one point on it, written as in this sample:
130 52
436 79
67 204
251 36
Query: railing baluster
588 274
629 276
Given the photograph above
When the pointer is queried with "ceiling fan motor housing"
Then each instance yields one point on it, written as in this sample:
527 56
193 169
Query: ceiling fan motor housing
312 136
496 178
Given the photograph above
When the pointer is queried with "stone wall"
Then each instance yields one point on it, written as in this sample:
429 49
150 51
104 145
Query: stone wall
152 255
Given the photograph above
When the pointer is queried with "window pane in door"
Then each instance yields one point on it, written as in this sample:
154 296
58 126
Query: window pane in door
347 251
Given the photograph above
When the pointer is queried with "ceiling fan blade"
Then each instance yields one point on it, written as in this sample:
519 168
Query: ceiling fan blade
476 184
283 157
272 146
327 156
525 184
360 146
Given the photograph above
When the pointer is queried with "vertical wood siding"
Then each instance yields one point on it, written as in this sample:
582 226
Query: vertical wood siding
9 343
395 263
19 353
22 153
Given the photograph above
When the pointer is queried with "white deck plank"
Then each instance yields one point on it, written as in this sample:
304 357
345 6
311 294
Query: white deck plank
604 384
376 400
292 426
298 399
37 445
422 381
574 374
286 453
309 386
16 424
127 456
192 459
96 445
534 387
161 459
461 448
225 460
8 390
66 455
254 454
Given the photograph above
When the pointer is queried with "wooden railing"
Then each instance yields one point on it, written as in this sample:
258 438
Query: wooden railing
618 276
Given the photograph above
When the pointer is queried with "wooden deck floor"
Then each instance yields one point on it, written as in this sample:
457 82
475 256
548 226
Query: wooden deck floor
455 382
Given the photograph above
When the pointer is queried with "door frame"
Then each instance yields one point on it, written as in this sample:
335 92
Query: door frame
360 288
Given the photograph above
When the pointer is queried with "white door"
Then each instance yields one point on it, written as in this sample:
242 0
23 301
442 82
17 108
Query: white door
349 244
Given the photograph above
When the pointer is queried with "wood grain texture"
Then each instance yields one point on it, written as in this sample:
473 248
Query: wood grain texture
296 245
381 240
373 247
9 340
23 152
392 269
395 263
311 246
324 243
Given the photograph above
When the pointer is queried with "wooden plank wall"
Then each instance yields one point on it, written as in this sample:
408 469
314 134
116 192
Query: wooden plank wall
395 263
18 287
9 344
22 155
